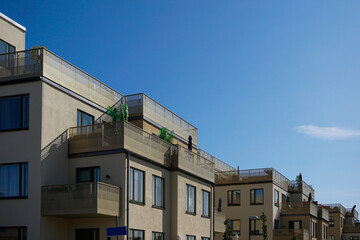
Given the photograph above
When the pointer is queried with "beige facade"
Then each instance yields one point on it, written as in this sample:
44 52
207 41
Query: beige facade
12 32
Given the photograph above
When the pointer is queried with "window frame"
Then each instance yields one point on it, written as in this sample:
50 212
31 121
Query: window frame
96 232
231 225
83 112
7 54
133 187
187 200
131 230
154 177
255 199
251 227
153 235
205 238
331 221
22 127
230 202
187 237
92 173
21 196
21 231
202 204
276 201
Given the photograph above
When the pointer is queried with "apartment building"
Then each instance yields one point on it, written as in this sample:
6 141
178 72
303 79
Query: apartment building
68 171
288 205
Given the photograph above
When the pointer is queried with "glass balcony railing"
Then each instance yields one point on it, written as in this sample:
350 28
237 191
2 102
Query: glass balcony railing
336 207
141 104
303 187
41 62
81 200
124 135
286 233
219 165
252 175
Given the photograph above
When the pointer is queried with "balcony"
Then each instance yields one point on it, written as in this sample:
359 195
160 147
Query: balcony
337 207
81 200
43 63
191 162
124 135
297 208
289 234
303 187
220 166
143 105
323 213
219 222
252 176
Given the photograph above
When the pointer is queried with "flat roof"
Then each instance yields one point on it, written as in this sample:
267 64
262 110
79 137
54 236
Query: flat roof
3 16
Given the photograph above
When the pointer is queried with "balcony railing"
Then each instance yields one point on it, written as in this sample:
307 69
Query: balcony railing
42 62
219 222
252 175
191 162
141 104
81 200
302 187
336 207
323 213
124 135
289 234
219 165
299 208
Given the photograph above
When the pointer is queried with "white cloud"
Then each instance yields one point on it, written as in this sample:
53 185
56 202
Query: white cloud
328 133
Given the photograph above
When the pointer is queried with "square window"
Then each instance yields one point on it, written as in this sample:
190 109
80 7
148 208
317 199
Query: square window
257 196
14 180
234 198
14 113
135 234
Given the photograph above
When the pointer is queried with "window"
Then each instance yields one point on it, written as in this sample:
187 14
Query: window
89 174
5 48
235 226
14 113
255 227
276 224
295 224
13 233
85 234
157 236
314 229
257 196
136 234
205 238
331 221
283 198
190 199
354 238
14 180
137 182
325 232
205 203
276 198
190 237
158 192
332 237
342 222
84 119
234 198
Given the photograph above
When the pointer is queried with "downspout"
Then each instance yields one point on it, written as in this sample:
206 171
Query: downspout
213 222
127 193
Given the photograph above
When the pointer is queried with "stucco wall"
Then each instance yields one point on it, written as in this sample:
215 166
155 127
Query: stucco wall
12 34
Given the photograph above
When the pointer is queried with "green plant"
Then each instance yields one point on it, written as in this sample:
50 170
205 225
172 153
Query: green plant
228 230
166 135
121 114
264 226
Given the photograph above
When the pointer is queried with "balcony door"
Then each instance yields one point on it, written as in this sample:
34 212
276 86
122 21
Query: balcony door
88 174
87 234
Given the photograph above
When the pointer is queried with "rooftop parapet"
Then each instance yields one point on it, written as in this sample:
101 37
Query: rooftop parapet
220 166
40 62
336 207
352 213
301 186
252 176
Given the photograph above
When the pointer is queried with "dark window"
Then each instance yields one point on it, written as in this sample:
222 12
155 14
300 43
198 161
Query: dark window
295 224
276 198
5 48
14 180
190 237
14 113
136 234
331 221
234 198
205 238
137 185
158 192
157 236
354 238
283 198
87 234
257 196
255 227
89 174
314 231
205 203
13 233
190 199
85 120
277 224
235 226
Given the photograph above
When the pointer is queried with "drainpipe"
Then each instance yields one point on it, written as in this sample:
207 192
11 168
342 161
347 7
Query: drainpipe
127 194
213 222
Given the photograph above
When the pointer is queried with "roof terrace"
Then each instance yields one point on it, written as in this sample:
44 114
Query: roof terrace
24 65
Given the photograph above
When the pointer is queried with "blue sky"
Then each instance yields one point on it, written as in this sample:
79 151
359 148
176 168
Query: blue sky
268 83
